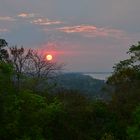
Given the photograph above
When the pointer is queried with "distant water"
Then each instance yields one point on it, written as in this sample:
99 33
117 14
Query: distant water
100 76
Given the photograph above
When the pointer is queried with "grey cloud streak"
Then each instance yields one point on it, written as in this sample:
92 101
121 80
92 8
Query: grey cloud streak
93 31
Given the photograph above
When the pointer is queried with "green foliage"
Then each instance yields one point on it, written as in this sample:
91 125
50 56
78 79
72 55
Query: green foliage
6 69
126 80
127 72
108 137
31 108
134 130
87 119
31 113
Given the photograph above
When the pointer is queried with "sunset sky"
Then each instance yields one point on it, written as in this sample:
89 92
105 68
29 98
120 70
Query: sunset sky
86 35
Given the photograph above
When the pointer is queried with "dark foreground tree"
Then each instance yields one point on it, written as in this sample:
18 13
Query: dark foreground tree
3 52
133 131
127 72
125 81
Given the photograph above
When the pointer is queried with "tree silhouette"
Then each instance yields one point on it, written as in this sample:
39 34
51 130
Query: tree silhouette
3 52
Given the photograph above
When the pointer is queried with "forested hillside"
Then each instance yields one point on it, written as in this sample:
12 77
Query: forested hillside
85 84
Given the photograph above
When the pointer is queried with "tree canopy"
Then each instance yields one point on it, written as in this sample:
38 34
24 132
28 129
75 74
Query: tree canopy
30 114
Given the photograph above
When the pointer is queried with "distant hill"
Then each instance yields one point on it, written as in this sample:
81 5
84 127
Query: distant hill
83 83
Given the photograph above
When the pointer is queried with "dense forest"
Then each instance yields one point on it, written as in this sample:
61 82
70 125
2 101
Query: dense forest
30 112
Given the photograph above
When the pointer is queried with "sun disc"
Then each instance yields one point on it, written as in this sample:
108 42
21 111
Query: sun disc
49 57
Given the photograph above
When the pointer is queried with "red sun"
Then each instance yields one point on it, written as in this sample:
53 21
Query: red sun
49 57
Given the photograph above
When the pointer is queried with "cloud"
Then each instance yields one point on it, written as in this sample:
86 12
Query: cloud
45 21
37 19
93 31
26 15
7 18
78 29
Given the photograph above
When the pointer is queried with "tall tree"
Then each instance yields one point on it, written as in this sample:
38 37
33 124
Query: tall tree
126 80
28 62
39 67
3 52
127 72
18 57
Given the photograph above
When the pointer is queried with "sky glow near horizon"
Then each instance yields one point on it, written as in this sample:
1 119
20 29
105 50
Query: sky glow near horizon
86 35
